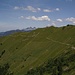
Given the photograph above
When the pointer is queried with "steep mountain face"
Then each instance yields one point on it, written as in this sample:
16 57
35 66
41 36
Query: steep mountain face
26 51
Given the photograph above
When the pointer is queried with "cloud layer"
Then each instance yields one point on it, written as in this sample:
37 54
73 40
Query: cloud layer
32 9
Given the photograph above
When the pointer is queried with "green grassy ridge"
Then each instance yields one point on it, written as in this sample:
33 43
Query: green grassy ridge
32 49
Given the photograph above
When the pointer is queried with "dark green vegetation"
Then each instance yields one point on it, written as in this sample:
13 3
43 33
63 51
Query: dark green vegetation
63 65
4 70
45 51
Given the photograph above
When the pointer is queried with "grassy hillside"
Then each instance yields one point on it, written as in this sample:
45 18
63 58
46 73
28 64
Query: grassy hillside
27 50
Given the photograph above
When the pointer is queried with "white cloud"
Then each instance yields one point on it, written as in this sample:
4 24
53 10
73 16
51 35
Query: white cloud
57 9
21 17
47 10
32 9
59 20
42 18
31 17
71 19
29 8
38 9
16 7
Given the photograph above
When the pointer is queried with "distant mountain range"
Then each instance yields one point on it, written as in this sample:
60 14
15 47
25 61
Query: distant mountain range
17 30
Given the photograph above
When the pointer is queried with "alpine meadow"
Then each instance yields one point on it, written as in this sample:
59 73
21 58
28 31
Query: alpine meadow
44 51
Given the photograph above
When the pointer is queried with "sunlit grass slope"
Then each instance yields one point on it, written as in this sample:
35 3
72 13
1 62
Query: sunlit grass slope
27 50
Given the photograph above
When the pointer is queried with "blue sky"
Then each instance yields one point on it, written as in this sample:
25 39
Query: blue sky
20 14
